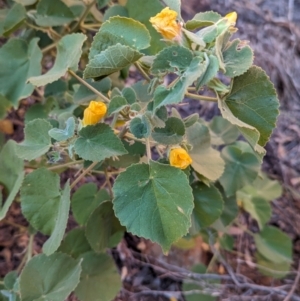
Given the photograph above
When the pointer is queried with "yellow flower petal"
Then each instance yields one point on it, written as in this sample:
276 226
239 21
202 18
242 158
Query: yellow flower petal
232 17
94 112
179 158
166 24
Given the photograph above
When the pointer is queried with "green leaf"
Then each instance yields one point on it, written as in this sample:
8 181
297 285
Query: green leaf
13 19
37 141
222 131
206 160
274 244
112 59
202 20
171 59
17 54
84 94
99 280
154 201
75 243
117 104
26 2
103 229
129 94
36 111
257 207
40 199
140 127
52 244
115 10
56 284
53 13
5 105
241 168
174 5
102 3
252 105
230 211
227 242
10 279
270 268
208 205
85 200
212 68
68 55
150 9
172 133
62 135
237 57
141 90
120 30
98 142
164 96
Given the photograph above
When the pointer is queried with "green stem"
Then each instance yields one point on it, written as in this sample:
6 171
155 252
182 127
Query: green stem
107 176
30 247
201 97
49 47
83 16
244 228
13 224
98 93
148 149
114 121
65 165
86 171
145 75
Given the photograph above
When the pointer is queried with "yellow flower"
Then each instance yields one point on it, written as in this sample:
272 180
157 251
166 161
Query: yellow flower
165 23
180 158
231 17
94 112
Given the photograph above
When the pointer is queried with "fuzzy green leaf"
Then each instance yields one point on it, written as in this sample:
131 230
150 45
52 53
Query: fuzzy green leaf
274 244
208 205
68 55
222 131
13 19
103 229
41 199
112 59
115 10
172 133
237 57
98 142
37 141
100 280
206 160
125 31
140 127
150 9
56 284
52 244
85 200
11 175
75 243
241 168
117 104
25 57
164 96
53 13
202 20
171 59
62 135
154 201
252 105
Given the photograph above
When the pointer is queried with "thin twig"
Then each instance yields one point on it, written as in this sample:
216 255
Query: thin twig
145 75
82 81
201 97
148 149
65 165
295 285
86 171
83 16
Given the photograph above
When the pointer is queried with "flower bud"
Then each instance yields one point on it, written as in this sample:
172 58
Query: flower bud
166 24
94 112
179 158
